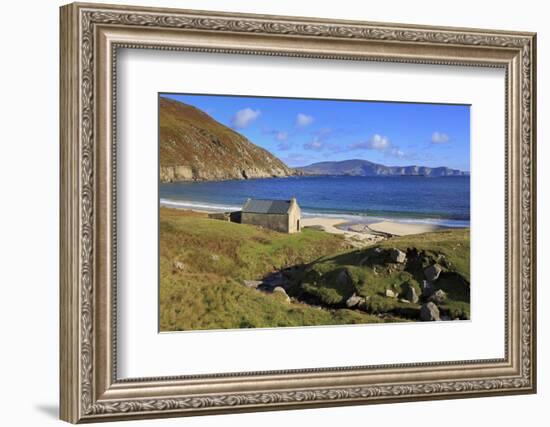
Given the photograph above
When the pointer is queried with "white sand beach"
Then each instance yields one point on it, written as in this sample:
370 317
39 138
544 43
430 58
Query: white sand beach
357 238
370 233
403 229
359 234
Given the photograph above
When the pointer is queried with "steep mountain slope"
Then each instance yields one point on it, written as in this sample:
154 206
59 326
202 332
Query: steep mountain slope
357 167
194 146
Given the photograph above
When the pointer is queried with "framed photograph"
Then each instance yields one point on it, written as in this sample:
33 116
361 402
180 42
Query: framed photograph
267 212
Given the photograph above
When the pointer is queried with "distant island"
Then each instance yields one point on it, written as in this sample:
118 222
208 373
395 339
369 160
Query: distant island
358 167
196 147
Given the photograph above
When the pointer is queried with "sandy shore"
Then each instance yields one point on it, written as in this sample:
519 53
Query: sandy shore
403 229
357 238
373 232
361 233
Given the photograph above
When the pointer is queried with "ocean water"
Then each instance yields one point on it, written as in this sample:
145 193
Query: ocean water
444 201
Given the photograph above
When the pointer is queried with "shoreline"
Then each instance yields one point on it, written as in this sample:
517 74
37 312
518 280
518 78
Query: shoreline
348 222
375 231
359 234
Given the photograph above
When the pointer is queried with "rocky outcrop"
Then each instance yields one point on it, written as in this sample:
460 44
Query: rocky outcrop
410 294
438 296
397 256
429 312
178 266
176 173
355 301
252 284
280 291
195 147
432 272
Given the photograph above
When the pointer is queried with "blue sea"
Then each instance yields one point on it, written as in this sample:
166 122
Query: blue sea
444 201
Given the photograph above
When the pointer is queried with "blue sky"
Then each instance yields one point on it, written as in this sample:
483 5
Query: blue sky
305 131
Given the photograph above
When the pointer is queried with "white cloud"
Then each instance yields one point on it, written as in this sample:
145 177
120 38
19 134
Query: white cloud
281 136
375 142
303 120
320 140
244 117
315 144
379 143
440 138
396 152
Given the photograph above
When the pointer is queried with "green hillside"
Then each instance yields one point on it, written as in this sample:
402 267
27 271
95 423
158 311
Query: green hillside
204 264
194 146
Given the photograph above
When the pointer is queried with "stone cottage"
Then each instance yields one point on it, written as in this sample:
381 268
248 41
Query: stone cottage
279 215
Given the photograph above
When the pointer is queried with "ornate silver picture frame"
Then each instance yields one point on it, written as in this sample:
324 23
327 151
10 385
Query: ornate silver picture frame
91 34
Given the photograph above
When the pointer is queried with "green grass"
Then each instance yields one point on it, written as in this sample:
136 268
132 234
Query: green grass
213 302
203 263
208 292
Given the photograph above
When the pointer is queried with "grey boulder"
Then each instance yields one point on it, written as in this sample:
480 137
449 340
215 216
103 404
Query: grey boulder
355 301
280 290
253 284
397 256
179 266
390 293
410 294
432 272
429 312
439 296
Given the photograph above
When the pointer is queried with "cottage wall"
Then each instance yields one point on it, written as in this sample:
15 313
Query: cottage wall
294 217
275 222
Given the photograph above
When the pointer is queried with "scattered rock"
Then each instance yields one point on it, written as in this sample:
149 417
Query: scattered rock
429 312
403 300
179 266
214 257
355 301
397 256
410 294
432 272
253 284
390 293
438 296
280 290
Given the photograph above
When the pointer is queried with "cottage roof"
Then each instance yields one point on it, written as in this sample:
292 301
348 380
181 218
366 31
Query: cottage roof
267 206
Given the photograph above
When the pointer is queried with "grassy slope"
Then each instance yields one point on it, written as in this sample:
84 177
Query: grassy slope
217 256
190 137
208 292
